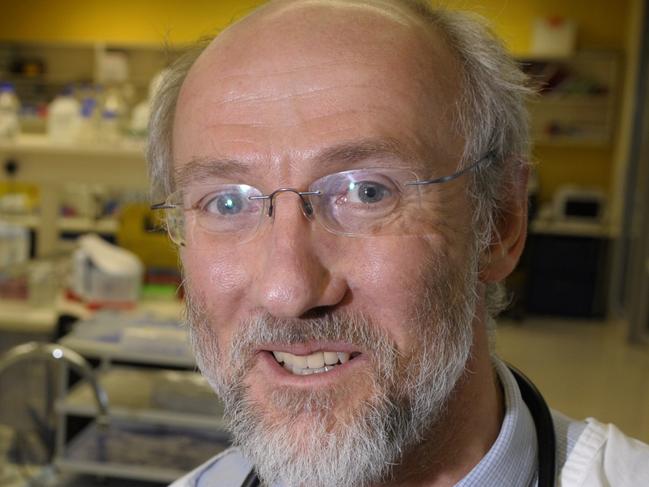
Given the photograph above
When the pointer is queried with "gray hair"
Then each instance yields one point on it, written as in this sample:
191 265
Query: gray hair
493 118
490 114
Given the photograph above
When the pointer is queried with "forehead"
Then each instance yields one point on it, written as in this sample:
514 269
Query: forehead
286 84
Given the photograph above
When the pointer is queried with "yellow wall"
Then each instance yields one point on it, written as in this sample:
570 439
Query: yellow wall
602 24
118 21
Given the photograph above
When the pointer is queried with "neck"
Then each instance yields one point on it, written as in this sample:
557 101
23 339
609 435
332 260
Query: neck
468 429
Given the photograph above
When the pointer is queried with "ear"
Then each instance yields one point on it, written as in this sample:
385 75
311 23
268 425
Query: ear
508 238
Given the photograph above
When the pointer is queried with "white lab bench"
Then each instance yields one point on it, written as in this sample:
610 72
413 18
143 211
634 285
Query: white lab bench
164 419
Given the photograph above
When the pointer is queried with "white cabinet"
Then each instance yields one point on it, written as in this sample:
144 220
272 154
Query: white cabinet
162 423
40 71
577 101
51 166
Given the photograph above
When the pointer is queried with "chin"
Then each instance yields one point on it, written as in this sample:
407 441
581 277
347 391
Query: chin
317 438
331 407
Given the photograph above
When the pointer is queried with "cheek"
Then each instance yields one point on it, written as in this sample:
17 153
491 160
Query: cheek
218 280
387 282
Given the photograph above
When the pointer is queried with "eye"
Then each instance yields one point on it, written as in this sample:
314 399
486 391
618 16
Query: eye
367 192
225 204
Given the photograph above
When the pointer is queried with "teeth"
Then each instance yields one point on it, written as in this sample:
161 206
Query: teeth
330 358
315 363
315 360
297 361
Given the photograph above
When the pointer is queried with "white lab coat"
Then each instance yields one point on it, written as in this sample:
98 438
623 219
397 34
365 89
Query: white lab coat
604 456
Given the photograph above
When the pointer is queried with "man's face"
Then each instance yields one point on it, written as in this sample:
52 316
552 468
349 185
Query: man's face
291 96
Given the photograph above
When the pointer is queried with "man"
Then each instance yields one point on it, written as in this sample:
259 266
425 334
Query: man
346 183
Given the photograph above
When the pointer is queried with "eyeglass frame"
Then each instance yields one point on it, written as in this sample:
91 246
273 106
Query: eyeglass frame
307 207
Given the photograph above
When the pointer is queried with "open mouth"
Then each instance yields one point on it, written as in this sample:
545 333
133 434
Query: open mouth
314 363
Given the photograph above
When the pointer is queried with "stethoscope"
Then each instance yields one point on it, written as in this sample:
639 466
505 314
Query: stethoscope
542 422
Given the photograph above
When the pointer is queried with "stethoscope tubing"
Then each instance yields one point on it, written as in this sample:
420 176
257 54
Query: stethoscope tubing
545 438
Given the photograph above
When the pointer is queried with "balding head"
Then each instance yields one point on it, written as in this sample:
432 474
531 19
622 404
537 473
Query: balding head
266 70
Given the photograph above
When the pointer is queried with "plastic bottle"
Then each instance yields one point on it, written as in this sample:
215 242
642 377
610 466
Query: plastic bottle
110 130
64 118
88 131
140 119
142 111
112 115
9 110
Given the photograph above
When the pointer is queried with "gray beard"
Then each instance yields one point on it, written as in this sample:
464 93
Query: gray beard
306 445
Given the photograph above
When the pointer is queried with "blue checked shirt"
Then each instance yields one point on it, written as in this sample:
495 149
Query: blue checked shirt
512 459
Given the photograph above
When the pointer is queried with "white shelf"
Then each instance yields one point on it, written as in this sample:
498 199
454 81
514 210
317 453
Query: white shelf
27 221
571 228
136 451
119 470
581 106
81 224
603 102
51 166
143 396
116 352
161 423
42 144
66 224
571 141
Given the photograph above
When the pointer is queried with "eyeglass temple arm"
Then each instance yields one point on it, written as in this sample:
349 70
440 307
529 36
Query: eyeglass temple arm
451 177
163 206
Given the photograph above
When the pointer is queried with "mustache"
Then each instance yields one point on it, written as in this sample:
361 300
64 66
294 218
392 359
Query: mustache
351 327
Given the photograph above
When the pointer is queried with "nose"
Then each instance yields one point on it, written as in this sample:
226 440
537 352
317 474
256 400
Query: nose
296 274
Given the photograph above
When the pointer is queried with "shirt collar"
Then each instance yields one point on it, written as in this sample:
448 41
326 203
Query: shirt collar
512 459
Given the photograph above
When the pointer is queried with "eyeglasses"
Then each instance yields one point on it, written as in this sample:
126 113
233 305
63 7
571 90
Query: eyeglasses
358 202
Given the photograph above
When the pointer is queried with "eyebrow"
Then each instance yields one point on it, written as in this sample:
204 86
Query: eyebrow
354 152
206 168
345 154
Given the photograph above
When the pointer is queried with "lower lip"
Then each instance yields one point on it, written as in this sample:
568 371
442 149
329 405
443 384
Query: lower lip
279 374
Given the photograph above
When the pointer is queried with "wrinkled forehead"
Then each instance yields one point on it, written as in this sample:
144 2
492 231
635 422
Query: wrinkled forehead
301 61
325 28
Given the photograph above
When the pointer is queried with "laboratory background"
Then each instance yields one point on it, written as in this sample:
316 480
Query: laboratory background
97 382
